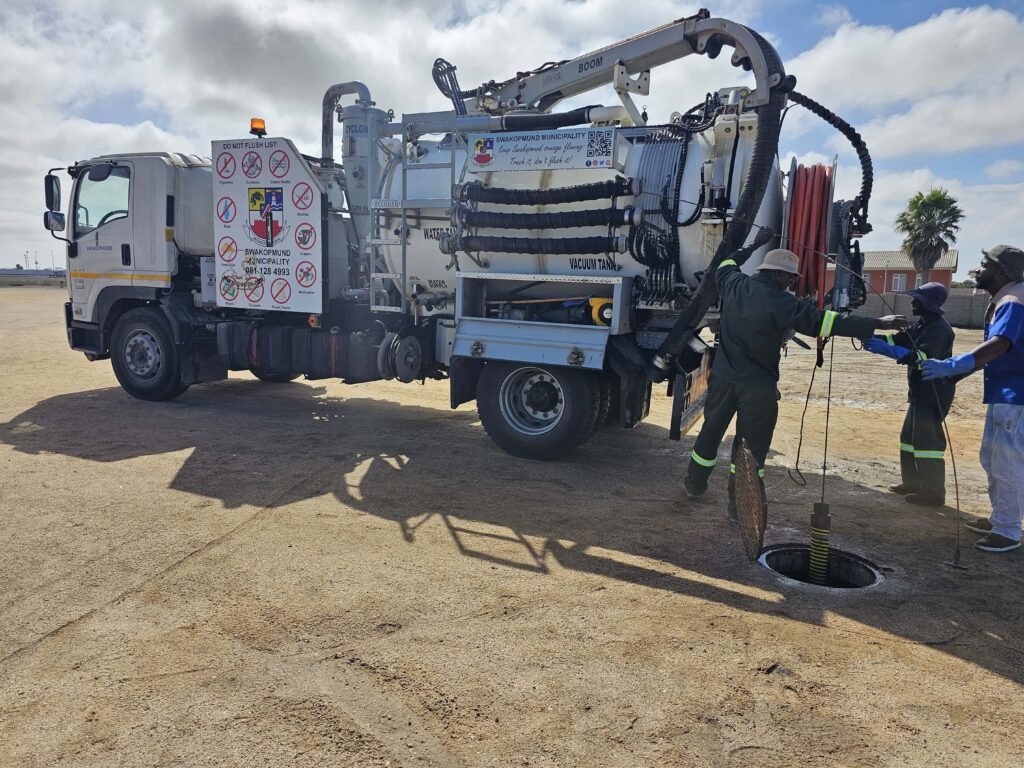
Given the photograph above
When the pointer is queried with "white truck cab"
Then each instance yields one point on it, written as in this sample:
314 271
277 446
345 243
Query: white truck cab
131 216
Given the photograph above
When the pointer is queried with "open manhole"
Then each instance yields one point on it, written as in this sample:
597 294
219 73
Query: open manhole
845 570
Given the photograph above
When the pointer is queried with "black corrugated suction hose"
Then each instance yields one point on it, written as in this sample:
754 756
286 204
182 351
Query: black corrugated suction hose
614 217
598 190
762 161
549 245
867 174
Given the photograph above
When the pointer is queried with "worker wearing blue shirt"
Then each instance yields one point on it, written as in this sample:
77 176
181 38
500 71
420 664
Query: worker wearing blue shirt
1001 356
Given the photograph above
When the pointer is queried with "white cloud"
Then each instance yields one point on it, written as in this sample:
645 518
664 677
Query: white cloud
955 51
833 16
1005 169
945 123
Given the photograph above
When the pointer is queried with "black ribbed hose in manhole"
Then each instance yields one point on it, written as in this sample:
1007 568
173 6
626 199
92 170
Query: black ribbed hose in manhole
845 570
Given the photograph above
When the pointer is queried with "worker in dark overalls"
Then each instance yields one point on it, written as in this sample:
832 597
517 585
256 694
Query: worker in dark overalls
922 439
758 314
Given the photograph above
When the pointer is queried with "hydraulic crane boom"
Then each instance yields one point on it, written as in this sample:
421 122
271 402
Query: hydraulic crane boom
627 64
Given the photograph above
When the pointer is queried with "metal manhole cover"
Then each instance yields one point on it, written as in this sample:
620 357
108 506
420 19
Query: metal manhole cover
751 503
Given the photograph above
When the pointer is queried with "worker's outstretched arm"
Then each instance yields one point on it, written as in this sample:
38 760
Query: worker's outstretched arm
879 346
1005 330
731 265
791 312
764 236
967 363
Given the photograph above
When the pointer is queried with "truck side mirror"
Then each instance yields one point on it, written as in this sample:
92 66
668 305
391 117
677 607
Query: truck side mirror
51 185
100 172
54 220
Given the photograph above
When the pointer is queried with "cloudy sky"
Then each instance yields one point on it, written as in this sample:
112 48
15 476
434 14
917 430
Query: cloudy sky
935 87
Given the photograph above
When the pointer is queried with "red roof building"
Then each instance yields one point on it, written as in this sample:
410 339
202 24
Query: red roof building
892 271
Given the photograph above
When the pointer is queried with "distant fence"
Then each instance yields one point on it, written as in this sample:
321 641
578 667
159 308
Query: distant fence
33 280
964 308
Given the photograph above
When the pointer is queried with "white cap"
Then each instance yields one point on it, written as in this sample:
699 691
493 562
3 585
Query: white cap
781 260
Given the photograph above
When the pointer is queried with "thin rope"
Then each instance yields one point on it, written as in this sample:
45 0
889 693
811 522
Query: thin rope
828 413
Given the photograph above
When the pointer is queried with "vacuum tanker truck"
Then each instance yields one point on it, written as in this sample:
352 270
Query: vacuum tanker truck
550 265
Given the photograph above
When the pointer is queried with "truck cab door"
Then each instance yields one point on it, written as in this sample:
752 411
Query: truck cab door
102 230
155 256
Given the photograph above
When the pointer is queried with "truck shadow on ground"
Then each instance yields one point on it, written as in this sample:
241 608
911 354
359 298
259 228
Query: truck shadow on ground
613 509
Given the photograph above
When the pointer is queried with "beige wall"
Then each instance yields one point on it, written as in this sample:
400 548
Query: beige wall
964 308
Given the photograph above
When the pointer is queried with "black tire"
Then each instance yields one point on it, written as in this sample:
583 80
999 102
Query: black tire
144 357
604 401
614 413
275 377
535 411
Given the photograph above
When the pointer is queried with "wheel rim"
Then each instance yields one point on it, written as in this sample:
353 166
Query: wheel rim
142 354
531 401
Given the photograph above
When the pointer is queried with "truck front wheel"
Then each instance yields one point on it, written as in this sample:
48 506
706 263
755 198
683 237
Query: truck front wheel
537 412
144 357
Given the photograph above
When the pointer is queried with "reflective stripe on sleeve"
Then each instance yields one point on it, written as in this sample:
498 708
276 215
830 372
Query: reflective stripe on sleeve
826 324
889 339
929 454
906 447
702 461
728 263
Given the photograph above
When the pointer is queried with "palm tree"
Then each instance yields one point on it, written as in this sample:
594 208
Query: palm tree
930 224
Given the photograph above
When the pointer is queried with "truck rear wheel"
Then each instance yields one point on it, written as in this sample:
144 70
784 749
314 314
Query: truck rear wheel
144 356
537 412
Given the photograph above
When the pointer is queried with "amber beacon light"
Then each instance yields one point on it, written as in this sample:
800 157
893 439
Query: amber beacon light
258 127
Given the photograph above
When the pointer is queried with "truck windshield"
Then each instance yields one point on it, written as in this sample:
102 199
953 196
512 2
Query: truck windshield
100 202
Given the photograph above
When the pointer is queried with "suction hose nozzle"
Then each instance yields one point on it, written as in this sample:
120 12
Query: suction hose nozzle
821 525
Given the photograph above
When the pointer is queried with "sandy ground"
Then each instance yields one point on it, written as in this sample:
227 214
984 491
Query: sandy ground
315 574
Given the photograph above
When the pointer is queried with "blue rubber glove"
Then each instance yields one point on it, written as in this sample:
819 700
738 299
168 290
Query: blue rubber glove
876 346
959 365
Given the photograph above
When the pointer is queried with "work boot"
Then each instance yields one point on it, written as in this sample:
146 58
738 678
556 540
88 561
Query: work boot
932 475
996 543
925 500
908 474
903 489
694 488
978 526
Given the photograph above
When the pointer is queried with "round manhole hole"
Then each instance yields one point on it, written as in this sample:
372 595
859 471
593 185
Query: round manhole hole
845 570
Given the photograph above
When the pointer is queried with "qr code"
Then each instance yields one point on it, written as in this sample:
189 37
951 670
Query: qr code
599 144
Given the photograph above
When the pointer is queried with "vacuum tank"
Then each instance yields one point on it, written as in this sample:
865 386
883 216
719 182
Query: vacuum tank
647 160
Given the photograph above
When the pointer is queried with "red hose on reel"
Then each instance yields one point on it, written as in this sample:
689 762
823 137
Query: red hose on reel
810 190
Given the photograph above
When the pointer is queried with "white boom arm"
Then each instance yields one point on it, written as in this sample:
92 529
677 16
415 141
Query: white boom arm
615 63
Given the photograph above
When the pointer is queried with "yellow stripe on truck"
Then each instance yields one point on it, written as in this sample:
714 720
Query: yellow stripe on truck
122 276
